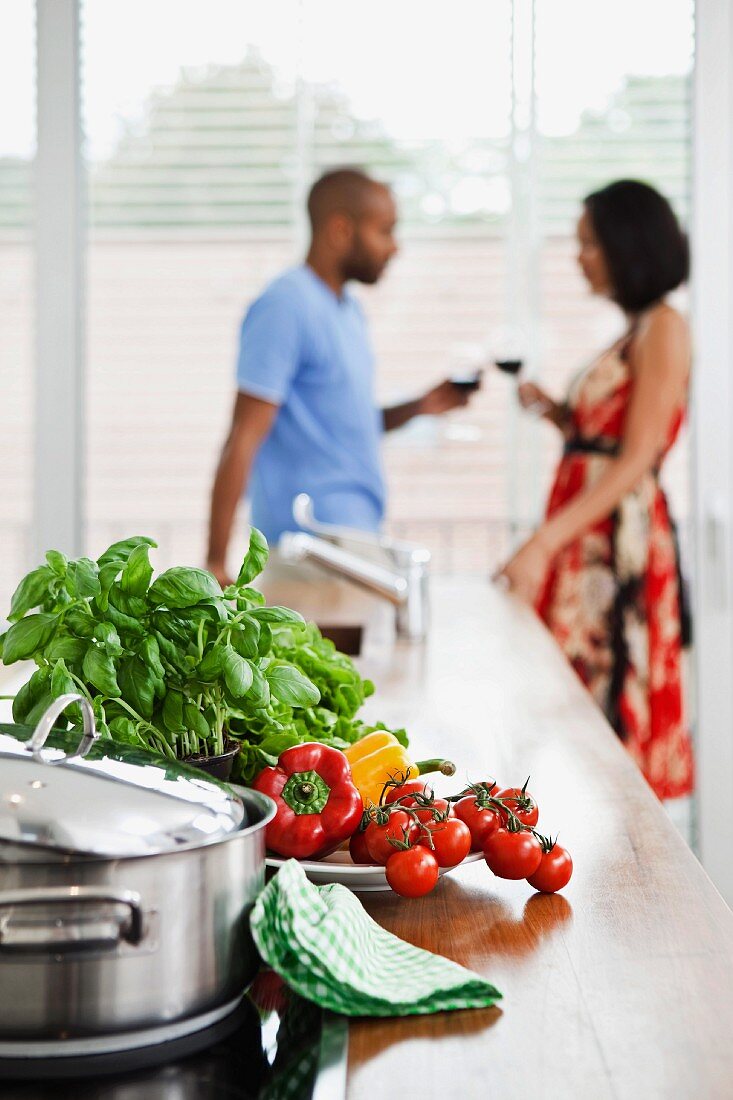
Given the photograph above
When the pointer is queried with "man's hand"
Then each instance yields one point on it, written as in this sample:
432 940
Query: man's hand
442 398
219 570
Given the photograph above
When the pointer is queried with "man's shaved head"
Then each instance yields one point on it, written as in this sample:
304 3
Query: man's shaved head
352 221
342 191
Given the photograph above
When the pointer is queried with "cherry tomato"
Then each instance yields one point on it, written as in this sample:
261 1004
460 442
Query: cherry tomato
512 855
412 872
451 841
377 837
358 849
521 804
410 786
481 822
554 870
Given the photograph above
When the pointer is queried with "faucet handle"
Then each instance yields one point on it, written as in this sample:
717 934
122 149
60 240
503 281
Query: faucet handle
400 551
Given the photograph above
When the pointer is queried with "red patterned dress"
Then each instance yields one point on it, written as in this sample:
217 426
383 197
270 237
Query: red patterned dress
612 597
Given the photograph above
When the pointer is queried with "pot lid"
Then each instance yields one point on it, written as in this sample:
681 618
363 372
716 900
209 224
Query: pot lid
98 798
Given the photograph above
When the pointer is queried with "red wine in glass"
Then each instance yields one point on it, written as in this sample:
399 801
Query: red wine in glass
509 366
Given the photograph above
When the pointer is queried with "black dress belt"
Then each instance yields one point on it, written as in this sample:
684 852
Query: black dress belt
597 445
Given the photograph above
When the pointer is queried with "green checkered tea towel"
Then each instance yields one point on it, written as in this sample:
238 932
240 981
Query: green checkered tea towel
321 941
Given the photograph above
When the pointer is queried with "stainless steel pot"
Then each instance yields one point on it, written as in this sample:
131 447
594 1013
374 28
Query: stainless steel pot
126 883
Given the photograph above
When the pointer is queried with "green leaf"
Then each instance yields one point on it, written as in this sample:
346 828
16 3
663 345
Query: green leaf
120 551
277 743
57 562
106 634
183 586
245 638
289 685
80 622
99 670
255 559
27 637
194 720
31 592
150 653
276 615
125 623
264 642
238 673
81 578
66 648
137 573
137 684
213 663
173 711
62 684
107 577
132 606
38 687
125 730
259 694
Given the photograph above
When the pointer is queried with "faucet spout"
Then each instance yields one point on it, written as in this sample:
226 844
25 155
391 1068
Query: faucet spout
298 546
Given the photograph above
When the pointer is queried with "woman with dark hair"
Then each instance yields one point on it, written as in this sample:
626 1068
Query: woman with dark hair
603 567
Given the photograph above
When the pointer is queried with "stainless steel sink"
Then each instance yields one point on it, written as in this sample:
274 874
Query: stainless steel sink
347 637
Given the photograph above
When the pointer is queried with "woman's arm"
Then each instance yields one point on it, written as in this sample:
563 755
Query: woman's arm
661 367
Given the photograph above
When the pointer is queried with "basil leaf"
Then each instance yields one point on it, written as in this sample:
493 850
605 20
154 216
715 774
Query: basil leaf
107 577
27 637
238 673
120 551
183 586
137 573
259 694
255 558
212 665
124 623
150 653
194 720
69 649
264 642
245 638
26 698
57 562
81 578
99 670
62 684
276 615
31 592
173 711
132 606
289 685
125 730
137 685
80 622
107 636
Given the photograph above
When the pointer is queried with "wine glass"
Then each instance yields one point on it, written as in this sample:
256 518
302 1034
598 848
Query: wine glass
509 356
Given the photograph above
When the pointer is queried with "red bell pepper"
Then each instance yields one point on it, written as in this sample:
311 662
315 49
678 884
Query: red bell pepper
318 805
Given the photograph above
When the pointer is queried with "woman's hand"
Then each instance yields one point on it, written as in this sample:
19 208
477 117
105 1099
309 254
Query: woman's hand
525 573
535 399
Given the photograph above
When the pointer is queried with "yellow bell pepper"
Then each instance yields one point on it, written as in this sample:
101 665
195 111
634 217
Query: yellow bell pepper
379 757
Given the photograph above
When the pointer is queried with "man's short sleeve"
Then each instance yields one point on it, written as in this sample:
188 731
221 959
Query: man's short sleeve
269 347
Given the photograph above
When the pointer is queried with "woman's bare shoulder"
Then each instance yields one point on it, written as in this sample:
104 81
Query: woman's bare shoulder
663 321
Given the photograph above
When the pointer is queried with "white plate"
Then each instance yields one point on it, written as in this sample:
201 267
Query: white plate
359 877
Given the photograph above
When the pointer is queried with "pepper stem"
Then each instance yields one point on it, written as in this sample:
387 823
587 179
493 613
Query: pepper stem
305 793
437 764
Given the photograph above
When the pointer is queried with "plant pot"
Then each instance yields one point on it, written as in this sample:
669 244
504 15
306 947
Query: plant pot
218 766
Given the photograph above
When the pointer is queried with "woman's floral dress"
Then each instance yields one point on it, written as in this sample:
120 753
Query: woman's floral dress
612 597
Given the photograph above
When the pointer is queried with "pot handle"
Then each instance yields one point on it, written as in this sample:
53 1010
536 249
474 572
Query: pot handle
58 937
45 725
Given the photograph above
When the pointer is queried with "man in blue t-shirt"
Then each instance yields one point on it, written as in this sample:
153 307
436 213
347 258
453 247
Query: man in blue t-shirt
304 417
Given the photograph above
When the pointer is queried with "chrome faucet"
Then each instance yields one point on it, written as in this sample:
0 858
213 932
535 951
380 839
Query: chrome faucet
405 585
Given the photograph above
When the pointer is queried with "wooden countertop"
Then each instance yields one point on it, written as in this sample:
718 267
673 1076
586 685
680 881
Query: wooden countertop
620 986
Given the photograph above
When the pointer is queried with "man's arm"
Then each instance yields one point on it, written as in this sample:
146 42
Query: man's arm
442 398
252 420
